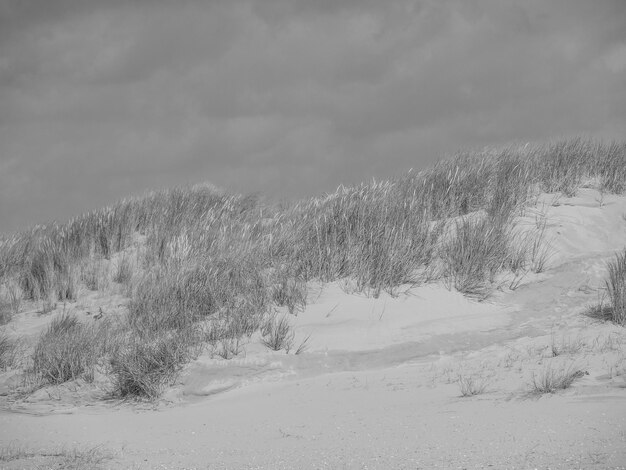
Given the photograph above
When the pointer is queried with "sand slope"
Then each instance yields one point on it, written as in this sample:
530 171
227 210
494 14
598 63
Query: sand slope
380 383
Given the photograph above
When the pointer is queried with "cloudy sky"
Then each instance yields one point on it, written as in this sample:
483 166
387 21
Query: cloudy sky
108 98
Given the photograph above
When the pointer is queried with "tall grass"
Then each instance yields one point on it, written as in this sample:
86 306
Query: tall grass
477 251
68 349
378 232
616 287
202 257
370 233
9 349
144 366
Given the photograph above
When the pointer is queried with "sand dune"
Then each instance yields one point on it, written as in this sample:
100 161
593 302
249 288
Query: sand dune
381 382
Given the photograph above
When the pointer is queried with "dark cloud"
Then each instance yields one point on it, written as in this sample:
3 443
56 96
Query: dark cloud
289 97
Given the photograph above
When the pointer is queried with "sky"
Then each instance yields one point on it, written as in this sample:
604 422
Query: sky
105 99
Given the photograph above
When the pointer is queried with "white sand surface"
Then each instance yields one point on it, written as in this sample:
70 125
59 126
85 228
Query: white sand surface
380 385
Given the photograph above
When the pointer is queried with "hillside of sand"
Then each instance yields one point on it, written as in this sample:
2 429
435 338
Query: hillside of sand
426 378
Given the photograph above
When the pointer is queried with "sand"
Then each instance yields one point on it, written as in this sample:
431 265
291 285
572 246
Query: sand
381 382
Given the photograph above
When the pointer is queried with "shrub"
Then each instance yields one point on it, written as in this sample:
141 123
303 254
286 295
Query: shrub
616 288
67 350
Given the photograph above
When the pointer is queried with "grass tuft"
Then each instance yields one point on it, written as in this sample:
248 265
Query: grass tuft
471 385
616 288
478 249
278 334
142 366
67 350
290 292
550 380
8 350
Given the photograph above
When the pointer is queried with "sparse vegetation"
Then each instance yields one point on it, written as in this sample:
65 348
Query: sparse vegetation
471 385
278 334
600 311
227 348
564 346
211 257
67 458
550 379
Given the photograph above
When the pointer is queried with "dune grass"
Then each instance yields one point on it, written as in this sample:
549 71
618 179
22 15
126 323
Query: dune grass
551 379
193 257
277 334
67 350
9 350
471 385
144 366
616 288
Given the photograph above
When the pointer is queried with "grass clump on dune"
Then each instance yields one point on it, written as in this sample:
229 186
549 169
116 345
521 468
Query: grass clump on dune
550 379
616 288
202 266
370 233
68 349
476 252
144 365
8 350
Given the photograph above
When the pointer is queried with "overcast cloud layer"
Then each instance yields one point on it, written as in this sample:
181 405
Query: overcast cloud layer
103 99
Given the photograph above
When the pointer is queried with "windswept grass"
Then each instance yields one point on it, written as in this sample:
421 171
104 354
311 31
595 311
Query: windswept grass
616 288
278 334
199 263
9 350
143 366
476 252
69 349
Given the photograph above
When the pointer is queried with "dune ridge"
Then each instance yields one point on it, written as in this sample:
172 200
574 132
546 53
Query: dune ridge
492 281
